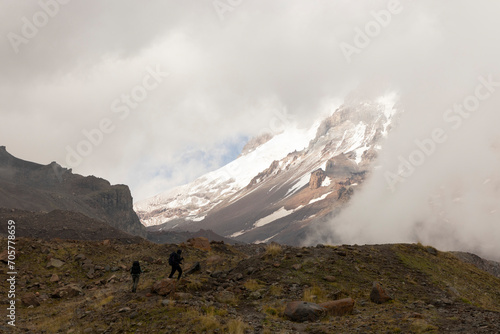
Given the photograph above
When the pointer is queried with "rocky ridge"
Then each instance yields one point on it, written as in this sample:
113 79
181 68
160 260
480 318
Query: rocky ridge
43 188
84 287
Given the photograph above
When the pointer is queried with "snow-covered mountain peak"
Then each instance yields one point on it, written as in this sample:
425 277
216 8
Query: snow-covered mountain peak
277 166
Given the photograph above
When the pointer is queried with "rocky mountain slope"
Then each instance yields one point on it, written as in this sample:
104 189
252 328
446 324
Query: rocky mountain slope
59 224
33 187
84 287
280 184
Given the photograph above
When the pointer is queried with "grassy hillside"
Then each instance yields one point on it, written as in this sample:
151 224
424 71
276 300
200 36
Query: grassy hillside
244 289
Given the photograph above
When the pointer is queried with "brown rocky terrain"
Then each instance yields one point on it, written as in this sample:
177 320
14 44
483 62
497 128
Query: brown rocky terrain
62 225
84 287
43 188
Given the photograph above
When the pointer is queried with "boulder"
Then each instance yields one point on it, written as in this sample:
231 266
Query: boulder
200 243
378 294
225 297
301 311
30 299
70 290
164 287
55 263
339 307
195 268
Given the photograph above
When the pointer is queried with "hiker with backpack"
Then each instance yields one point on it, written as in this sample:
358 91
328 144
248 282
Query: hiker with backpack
135 271
175 260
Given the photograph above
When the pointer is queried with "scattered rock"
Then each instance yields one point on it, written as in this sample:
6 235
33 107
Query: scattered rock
106 242
341 253
225 297
54 278
124 309
68 291
296 266
431 250
301 311
164 287
255 295
216 274
55 263
378 295
79 257
330 278
195 268
250 270
339 307
182 296
167 302
30 299
112 279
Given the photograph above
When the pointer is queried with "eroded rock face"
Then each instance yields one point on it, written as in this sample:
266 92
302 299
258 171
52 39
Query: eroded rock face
301 311
317 178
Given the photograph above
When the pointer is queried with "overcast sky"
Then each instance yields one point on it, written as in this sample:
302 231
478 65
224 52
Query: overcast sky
177 87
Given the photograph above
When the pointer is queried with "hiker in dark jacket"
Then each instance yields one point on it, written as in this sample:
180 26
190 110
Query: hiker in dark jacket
175 260
135 271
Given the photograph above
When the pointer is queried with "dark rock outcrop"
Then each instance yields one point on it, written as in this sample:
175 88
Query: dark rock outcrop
317 178
33 187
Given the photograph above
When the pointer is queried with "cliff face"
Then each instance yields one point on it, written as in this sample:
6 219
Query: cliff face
33 187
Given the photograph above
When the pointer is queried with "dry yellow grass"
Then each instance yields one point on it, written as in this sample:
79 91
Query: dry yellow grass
236 326
252 285
273 249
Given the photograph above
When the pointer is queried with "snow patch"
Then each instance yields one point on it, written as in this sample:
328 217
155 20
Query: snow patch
275 216
298 184
265 240
319 198
236 234
326 182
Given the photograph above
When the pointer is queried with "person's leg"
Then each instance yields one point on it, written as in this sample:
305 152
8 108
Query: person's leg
180 272
172 272
136 282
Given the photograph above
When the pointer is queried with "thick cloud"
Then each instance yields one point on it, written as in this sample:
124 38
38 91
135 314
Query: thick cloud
232 66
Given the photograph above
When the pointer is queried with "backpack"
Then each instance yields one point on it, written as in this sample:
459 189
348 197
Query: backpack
172 258
136 269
